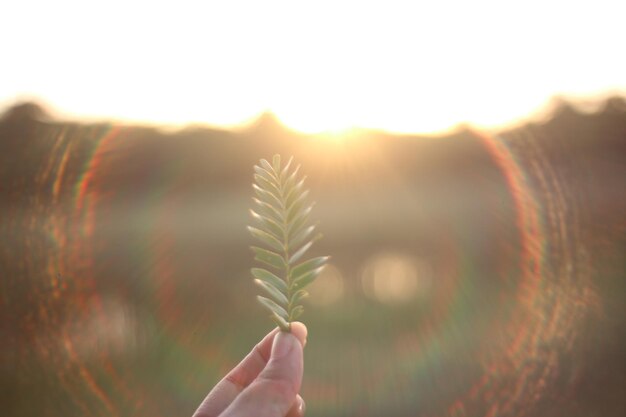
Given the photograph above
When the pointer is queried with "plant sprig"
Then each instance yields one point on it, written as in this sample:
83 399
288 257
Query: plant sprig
281 217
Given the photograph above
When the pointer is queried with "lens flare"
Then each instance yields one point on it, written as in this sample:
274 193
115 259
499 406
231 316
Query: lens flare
456 291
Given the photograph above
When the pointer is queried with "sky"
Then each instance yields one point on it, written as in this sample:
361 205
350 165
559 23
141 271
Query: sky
420 66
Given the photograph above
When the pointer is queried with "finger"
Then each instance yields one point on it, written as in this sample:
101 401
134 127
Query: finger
240 377
274 391
297 408
300 331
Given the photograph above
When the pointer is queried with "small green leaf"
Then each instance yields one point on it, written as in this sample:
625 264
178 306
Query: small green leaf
295 193
273 291
292 178
273 307
307 266
299 217
301 237
266 174
268 257
285 170
267 166
297 209
266 238
296 312
297 226
282 324
276 163
267 197
267 185
268 225
298 296
267 276
268 211
303 280
300 252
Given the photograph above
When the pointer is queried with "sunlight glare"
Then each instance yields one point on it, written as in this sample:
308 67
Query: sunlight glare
322 66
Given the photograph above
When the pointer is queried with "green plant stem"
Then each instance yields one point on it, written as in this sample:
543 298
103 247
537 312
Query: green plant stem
286 252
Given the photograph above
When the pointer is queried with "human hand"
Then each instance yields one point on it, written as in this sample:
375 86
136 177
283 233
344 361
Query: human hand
265 383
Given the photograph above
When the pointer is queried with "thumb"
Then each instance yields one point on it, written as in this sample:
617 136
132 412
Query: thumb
274 391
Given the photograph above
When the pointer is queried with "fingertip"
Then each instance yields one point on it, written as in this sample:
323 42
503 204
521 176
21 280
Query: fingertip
300 331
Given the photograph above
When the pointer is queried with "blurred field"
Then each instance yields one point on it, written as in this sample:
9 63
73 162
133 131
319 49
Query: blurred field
472 274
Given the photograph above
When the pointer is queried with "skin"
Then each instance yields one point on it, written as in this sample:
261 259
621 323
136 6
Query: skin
265 383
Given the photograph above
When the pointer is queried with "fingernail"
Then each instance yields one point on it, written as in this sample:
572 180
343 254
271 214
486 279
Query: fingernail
283 343
302 407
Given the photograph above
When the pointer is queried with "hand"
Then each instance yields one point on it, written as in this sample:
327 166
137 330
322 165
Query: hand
265 383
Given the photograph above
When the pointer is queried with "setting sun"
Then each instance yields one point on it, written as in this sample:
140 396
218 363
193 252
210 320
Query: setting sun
318 66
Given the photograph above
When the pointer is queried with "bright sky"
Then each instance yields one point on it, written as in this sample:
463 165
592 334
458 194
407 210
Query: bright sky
418 66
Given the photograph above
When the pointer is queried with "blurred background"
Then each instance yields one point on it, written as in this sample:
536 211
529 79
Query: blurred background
467 163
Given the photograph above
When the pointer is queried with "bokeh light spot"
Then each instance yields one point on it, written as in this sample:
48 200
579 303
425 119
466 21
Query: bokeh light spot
395 278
